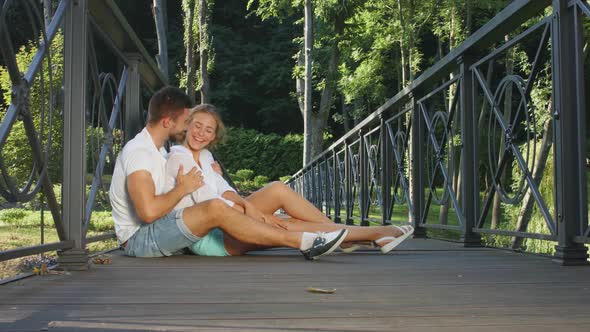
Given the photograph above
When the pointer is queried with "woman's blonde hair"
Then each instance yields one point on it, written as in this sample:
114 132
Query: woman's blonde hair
220 131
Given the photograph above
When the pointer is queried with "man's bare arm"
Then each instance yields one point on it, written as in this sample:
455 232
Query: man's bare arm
149 206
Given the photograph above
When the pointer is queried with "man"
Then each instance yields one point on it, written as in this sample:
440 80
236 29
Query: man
145 224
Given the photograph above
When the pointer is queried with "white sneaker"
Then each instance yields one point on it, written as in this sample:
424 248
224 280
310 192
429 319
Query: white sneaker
324 243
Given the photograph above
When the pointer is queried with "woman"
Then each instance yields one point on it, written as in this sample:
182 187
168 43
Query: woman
205 130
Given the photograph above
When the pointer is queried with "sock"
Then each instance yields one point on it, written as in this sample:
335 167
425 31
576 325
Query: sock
307 240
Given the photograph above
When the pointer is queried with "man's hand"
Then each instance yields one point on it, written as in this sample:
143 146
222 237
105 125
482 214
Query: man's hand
217 168
190 181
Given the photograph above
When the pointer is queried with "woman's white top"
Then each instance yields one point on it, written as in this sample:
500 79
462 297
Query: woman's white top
215 185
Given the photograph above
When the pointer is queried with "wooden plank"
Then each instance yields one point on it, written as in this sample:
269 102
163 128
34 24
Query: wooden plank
427 285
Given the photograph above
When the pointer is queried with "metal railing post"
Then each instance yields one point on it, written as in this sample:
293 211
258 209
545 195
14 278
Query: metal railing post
74 135
337 198
313 193
569 158
417 168
327 203
133 123
363 191
348 181
385 171
469 183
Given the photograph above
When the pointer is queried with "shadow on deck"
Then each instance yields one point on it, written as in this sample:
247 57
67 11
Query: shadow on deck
426 285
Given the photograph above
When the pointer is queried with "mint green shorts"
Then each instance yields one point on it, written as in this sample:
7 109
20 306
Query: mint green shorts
210 245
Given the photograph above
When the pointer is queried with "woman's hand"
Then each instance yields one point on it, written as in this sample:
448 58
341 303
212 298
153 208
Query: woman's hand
275 222
239 208
252 212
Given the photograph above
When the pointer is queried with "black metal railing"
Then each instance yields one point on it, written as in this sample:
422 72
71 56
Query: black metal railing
96 105
477 145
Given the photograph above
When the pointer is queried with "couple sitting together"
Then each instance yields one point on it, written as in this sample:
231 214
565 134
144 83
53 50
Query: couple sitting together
166 202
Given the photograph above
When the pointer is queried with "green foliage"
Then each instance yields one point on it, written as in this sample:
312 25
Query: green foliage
261 180
270 155
285 178
252 82
35 203
95 138
537 222
18 217
244 174
101 221
12 216
17 152
246 182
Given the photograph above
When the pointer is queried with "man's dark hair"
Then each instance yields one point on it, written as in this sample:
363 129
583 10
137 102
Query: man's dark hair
168 101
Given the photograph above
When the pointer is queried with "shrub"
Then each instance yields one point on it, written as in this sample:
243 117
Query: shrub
12 216
261 180
244 174
246 182
101 221
271 155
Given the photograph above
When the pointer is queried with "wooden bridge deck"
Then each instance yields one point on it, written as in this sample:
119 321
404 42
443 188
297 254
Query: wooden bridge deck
427 285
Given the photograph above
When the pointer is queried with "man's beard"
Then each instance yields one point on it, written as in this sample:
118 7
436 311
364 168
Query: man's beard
177 137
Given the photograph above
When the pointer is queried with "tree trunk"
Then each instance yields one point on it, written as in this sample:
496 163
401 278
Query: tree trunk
402 44
345 115
481 120
320 119
496 211
159 12
526 211
443 216
411 42
300 84
47 12
189 40
204 51
307 91
468 16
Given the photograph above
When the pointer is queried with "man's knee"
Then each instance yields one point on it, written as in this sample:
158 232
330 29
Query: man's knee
215 207
205 212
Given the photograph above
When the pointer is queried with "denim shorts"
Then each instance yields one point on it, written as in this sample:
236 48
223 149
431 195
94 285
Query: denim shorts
166 236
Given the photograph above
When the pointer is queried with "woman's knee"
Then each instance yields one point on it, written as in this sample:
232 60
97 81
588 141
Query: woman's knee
277 187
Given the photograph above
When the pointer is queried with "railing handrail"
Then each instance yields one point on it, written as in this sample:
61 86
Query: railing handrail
510 17
444 149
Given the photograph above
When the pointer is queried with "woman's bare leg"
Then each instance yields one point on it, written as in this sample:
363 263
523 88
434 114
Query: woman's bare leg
238 248
276 195
355 233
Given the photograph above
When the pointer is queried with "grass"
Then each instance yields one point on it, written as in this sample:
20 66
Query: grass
22 228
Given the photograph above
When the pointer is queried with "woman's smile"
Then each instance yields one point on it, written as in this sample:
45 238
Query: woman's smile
201 131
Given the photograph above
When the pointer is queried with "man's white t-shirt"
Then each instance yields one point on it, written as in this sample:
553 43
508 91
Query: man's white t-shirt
140 153
215 185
